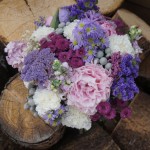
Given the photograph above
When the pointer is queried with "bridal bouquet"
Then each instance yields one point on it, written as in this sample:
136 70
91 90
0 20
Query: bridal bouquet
77 67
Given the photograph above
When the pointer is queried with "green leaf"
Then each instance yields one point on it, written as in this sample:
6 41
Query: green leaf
55 20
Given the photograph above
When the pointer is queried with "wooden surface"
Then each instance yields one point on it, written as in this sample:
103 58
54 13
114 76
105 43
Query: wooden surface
94 139
134 133
16 16
19 124
108 7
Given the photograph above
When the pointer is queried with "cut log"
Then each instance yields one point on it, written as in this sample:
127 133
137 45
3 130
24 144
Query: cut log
94 139
18 16
108 7
131 19
134 133
19 124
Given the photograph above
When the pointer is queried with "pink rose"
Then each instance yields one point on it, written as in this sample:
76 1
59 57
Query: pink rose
109 27
91 85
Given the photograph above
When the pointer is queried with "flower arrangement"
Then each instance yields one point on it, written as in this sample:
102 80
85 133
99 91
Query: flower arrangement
77 67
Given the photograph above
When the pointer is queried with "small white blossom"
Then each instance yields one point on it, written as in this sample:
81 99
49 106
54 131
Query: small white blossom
76 119
69 29
41 32
122 44
46 100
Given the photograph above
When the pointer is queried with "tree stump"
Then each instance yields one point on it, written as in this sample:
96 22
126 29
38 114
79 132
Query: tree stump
19 124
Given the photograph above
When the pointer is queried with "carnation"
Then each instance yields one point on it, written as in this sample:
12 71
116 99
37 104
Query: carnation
69 29
41 32
90 86
16 52
46 100
122 44
74 118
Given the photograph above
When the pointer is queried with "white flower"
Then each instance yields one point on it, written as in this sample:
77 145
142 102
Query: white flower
41 32
46 100
76 119
69 29
122 44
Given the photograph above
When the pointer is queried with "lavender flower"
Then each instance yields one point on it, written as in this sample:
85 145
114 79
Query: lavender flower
129 66
124 88
38 66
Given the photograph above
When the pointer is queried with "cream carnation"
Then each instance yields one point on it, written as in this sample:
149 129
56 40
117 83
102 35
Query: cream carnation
68 30
122 44
41 32
90 86
76 119
46 100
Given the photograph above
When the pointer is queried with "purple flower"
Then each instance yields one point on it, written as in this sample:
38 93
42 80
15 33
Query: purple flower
125 113
40 22
115 60
111 114
76 62
95 117
38 66
16 54
90 35
64 56
80 52
121 104
64 15
129 66
104 108
62 44
124 88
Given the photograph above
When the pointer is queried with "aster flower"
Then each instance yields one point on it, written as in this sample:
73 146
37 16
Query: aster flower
76 119
111 115
53 117
38 66
16 52
41 32
122 44
80 53
89 34
40 22
125 113
104 108
94 16
64 15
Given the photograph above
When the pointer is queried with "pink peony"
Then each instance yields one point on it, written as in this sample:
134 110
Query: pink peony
16 54
109 27
90 86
